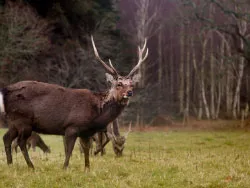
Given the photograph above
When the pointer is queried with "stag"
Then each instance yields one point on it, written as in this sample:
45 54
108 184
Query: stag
113 134
52 109
35 140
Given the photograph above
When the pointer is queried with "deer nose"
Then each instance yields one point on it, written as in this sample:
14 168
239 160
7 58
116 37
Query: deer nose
130 93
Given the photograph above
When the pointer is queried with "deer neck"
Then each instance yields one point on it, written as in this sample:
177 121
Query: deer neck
109 109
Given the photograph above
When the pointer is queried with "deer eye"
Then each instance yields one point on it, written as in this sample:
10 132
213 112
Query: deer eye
119 84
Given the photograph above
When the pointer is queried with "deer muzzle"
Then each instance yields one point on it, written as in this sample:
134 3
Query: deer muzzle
130 93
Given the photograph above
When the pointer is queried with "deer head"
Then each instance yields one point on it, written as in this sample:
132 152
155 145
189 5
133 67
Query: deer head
118 141
122 86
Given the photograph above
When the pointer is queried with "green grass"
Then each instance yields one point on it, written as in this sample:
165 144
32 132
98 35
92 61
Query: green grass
154 159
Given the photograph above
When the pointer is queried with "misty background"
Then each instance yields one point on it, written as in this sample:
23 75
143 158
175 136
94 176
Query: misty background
199 52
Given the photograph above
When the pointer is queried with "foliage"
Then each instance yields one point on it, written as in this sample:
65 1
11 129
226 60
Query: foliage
195 47
52 45
22 37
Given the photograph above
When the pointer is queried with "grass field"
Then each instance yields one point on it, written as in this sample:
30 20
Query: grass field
151 159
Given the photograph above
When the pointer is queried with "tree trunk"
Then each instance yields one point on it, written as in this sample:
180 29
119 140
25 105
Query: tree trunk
212 79
181 70
187 83
236 100
212 84
218 100
229 88
144 19
197 94
160 69
203 90
171 67
222 54
242 25
227 82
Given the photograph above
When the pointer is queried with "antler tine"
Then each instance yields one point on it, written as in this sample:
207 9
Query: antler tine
145 44
146 55
129 130
110 70
141 58
111 65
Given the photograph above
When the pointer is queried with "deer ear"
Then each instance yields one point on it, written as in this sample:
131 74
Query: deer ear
109 78
136 78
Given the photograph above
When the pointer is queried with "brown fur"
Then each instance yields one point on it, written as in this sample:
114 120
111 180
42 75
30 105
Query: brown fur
101 139
35 140
52 109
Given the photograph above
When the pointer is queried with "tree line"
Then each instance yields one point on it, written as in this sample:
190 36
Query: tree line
198 61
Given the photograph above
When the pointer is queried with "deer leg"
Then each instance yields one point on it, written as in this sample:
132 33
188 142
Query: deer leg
24 134
43 146
101 148
81 146
8 137
86 147
102 144
28 146
65 145
98 143
70 139
33 146
22 144
91 146
14 145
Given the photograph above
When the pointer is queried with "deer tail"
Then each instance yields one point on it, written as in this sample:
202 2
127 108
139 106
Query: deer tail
2 106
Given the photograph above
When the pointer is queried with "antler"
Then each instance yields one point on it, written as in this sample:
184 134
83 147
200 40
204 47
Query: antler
141 58
111 69
129 130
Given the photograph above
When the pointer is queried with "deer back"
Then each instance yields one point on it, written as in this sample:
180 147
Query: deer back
50 107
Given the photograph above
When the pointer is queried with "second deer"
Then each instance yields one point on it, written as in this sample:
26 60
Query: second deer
101 139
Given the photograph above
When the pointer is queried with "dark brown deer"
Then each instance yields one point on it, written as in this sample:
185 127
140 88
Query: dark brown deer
35 140
51 109
113 134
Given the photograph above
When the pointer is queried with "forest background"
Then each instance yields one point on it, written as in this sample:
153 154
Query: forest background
199 51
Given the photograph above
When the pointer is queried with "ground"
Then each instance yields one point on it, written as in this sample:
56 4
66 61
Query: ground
156 158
